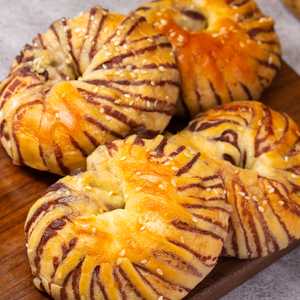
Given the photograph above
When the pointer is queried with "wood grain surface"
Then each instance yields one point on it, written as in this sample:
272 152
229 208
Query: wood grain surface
20 187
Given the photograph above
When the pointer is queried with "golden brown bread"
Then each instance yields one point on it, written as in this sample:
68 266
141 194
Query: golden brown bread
226 49
256 152
147 220
86 81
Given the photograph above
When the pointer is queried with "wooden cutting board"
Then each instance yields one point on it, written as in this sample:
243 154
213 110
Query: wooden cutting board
20 187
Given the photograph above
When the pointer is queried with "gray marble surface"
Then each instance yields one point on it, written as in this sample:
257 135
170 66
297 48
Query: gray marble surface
21 20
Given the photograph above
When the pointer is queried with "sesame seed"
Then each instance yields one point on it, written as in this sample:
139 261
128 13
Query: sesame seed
138 173
152 82
104 47
105 30
265 202
159 13
225 192
167 163
144 261
180 38
77 29
173 182
123 252
125 46
215 35
242 45
172 34
153 153
254 198
108 118
59 275
182 239
68 47
161 68
294 175
118 32
140 220
88 188
101 211
270 60
118 101
163 22
281 202
247 197
67 78
167 97
150 40
95 90
29 251
82 297
144 72
242 194
57 115
104 66
161 298
286 158
142 228
175 168
236 171
119 260
110 193
125 196
148 104
261 208
138 189
124 157
272 190
92 17
194 219
208 189
107 54
259 123
159 271
102 110
127 95
93 229
161 186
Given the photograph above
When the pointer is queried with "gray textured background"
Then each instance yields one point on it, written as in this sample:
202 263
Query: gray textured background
21 20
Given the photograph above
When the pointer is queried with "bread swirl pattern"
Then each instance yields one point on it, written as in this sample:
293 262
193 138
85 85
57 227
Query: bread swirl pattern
256 152
226 50
147 220
86 81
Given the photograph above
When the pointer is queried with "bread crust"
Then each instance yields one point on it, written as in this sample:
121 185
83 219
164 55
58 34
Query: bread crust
226 50
255 150
86 81
146 220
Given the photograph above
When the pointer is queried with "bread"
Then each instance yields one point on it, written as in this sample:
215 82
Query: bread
226 50
256 151
147 220
86 81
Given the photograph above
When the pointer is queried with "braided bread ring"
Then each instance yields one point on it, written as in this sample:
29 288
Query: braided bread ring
52 119
130 225
256 151
226 49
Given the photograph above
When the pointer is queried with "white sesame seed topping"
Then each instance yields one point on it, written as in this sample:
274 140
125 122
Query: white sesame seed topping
261 208
67 78
119 260
125 196
153 153
88 188
101 211
144 72
173 182
175 168
131 103
272 190
104 47
118 32
236 171
142 228
93 229
194 219
104 66
259 123
59 275
208 189
95 90
122 158
118 101
161 186
57 115
242 45
102 110
138 189
150 40
108 118
29 251
92 17
148 104
242 194
281 202
82 297
172 34
294 175
161 298
255 198
270 60
225 192
159 271
161 68
215 35
286 158
180 38
138 173
107 54
123 252
68 47
163 22
127 95
144 261
181 239
152 82
247 197
110 193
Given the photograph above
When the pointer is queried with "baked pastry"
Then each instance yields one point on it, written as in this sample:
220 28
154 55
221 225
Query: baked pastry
256 151
226 50
146 220
86 81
